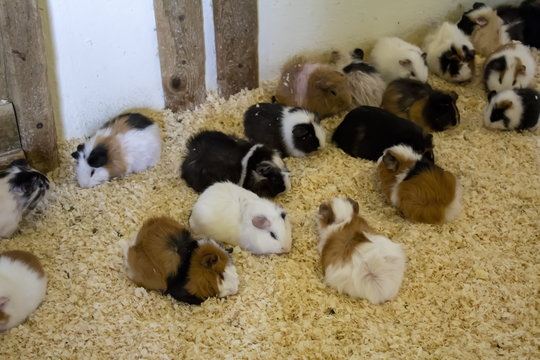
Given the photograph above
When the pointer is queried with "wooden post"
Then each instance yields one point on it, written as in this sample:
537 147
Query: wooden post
4 94
26 75
237 36
180 31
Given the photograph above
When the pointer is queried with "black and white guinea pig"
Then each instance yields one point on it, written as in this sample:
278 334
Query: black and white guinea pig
395 58
418 102
450 53
291 131
366 131
129 143
213 156
510 66
21 189
367 85
420 189
163 256
523 21
23 284
231 214
514 109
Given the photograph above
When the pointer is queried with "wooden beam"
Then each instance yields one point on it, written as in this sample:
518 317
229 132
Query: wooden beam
8 157
4 94
180 32
26 75
236 35
9 133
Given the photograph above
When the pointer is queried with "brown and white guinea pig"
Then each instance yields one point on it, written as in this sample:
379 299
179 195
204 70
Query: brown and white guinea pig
23 284
291 131
418 102
127 144
231 214
21 189
313 86
355 259
163 256
510 66
213 156
523 21
514 109
367 85
395 59
485 28
420 189
450 53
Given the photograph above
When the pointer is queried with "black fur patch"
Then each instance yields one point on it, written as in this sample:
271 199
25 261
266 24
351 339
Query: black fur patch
31 184
363 67
530 100
440 111
449 62
497 65
498 114
304 138
419 167
358 54
263 177
466 24
138 121
98 157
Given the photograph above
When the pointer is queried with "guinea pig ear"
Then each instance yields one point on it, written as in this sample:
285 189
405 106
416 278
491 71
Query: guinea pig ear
260 222
323 84
481 20
209 260
358 54
491 94
354 204
424 56
390 162
326 214
75 155
3 301
405 62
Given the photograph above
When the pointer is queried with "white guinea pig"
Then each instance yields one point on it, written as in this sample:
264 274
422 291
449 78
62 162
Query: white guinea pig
229 213
514 109
394 58
127 144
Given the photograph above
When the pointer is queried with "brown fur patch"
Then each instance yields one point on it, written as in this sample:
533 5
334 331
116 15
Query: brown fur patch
388 177
416 113
208 263
116 163
520 68
4 318
391 100
319 98
29 259
487 39
286 89
326 214
505 104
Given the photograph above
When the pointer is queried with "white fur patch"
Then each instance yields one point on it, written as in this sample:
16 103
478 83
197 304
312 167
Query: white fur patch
229 284
387 53
289 119
454 209
404 153
343 214
523 80
10 211
514 113
244 163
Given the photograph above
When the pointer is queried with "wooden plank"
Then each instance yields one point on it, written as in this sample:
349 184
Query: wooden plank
180 30
26 75
9 133
8 157
4 94
237 37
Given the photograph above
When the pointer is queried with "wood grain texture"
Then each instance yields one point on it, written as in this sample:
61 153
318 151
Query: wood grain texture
180 31
4 94
8 157
236 36
9 133
26 75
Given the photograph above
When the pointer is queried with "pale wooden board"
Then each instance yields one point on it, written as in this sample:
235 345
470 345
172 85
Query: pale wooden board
9 133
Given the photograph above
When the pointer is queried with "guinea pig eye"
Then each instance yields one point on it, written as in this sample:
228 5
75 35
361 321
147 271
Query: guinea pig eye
413 74
513 82
333 92
283 215
92 172
273 235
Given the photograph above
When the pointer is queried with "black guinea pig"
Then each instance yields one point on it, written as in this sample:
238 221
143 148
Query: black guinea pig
514 109
522 22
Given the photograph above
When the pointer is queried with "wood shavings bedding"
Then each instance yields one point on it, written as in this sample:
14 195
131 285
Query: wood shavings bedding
470 288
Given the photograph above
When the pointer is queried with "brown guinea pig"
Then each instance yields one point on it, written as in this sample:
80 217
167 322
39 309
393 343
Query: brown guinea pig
418 102
313 86
420 189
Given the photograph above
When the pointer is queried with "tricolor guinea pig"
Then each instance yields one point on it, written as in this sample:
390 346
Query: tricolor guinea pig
213 156
420 189
514 109
450 53
21 189
163 256
355 259
313 86
366 131
231 214
367 85
418 102
129 143
23 284
291 131
510 66
523 21
395 58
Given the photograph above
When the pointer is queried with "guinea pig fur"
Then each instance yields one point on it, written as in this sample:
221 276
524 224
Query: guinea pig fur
418 102
450 53
523 21
420 189
395 58
355 259
313 86
23 284
514 109
366 84
366 131
291 131
127 144
510 66
21 189
213 156
231 214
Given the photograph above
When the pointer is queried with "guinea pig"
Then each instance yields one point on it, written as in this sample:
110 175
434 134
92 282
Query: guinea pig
523 21
366 131
510 66
485 28
291 131
231 214
355 259
23 284
450 53
313 86
214 156
21 189
395 58
513 109
418 102
366 84
420 189
129 143
163 256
